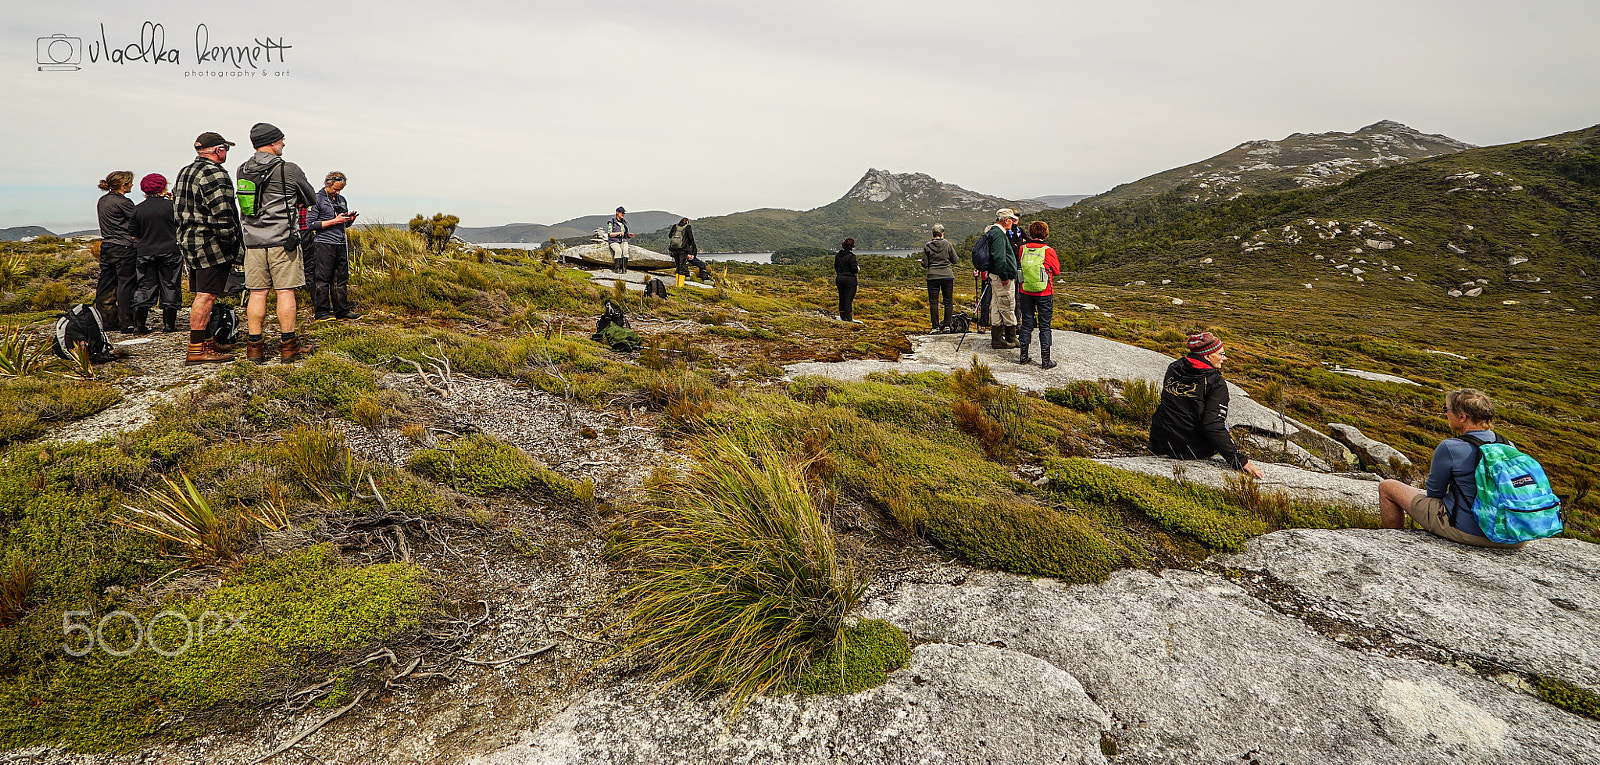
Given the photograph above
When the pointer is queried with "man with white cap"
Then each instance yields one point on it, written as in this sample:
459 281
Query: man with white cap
1002 280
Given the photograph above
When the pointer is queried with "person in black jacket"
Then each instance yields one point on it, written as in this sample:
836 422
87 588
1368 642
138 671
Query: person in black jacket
845 269
1192 421
160 263
113 294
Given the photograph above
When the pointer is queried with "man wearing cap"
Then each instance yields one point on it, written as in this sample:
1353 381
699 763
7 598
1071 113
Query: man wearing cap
210 239
160 264
617 237
1191 423
270 265
1002 280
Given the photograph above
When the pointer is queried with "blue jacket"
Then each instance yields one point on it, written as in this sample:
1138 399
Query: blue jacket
327 207
1455 463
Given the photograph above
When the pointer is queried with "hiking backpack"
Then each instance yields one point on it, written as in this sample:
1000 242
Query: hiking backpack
81 325
656 288
1030 260
981 257
675 238
251 187
223 325
612 330
1515 501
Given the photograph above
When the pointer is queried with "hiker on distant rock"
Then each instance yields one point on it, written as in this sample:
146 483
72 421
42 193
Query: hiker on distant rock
160 265
681 246
1037 269
939 258
845 269
210 238
692 260
1445 506
113 294
269 223
1002 281
617 237
1191 423
328 218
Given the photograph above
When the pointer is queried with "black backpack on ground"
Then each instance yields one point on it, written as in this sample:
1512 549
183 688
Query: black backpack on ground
223 324
81 325
656 288
612 330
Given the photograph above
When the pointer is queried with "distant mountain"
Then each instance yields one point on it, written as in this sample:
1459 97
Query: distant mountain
22 232
641 222
883 210
1060 200
1516 222
1302 160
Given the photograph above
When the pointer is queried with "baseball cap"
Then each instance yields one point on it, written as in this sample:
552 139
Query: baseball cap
620 210
208 140
1005 212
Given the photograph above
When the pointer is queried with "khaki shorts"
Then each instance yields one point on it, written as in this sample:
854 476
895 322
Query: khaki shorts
1431 514
272 268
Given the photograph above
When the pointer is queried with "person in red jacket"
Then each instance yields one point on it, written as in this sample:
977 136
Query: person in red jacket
1037 269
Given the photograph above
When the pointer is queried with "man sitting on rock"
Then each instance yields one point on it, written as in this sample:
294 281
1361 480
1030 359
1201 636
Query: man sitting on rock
1445 507
1191 423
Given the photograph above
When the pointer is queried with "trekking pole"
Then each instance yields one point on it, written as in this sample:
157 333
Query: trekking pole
974 310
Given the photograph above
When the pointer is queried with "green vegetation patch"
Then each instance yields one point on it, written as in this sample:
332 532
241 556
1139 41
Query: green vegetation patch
863 658
29 404
482 465
232 649
1174 507
1579 701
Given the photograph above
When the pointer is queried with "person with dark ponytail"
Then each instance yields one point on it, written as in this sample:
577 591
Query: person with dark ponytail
113 294
845 269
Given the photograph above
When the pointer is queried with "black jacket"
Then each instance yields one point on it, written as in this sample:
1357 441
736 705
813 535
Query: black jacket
844 264
1192 420
156 227
116 219
689 246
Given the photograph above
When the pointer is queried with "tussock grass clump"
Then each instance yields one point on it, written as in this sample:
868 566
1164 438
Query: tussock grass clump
736 582
181 515
22 353
1174 507
16 584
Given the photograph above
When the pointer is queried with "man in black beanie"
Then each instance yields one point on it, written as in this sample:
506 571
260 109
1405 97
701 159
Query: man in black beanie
270 192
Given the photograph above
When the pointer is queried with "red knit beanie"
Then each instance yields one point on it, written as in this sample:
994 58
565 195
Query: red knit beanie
1204 344
153 183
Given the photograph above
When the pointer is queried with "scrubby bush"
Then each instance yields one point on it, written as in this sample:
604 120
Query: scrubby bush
862 658
736 583
483 465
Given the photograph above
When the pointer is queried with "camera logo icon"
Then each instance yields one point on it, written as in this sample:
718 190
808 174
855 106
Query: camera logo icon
60 53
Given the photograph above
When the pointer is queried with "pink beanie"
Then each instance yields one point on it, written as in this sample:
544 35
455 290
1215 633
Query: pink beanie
153 183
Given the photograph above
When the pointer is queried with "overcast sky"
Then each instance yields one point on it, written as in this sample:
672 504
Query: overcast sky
506 112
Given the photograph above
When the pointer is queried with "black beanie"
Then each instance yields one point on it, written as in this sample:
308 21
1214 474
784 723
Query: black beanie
263 134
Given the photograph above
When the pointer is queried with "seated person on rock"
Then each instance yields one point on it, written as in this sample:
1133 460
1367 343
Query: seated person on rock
1191 422
1445 507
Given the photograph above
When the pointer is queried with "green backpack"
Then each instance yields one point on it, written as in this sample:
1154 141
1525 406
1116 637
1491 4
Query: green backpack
1030 261
1515 501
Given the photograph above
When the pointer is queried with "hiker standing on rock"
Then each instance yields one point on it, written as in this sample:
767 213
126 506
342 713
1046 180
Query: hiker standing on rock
845 269
1191 423
1037 268
271 264
939 258
681 246
160 264
113 294
1002 281
617 237
328 217
210 238
1445 508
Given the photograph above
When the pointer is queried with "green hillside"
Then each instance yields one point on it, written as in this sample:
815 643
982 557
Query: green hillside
1518 220
882 211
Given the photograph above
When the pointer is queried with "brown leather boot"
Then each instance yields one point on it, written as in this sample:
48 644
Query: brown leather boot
256 351
289 350
218 346
200 353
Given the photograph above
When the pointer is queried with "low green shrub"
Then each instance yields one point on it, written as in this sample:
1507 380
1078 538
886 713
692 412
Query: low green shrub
865 654
1173 507
483 465
1579 701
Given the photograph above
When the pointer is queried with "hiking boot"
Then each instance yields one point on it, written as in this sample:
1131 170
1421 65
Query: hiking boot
1025 358
322 316
218 346
169 319
347 314
200 353
997 336
289 350
1011 337
255 351
1044 360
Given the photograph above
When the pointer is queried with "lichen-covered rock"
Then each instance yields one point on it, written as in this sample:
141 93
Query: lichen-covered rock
1534 610
1374 455
1195 668
952 704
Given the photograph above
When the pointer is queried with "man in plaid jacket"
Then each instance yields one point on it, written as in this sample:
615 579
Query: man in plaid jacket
210 238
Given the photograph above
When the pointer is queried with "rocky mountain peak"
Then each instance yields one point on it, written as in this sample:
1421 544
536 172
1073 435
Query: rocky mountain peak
924 193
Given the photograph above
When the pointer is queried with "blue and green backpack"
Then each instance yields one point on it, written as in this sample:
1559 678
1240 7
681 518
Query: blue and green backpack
1515 501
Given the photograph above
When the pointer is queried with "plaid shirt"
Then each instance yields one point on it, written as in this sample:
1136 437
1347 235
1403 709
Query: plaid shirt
208 215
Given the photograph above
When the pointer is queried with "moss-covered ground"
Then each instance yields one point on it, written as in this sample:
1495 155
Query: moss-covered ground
898 462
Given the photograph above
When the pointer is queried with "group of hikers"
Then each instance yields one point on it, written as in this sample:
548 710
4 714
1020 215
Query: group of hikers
680 245
257 235
1015 272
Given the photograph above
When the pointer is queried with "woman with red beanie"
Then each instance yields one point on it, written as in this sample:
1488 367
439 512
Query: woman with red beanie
160 265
